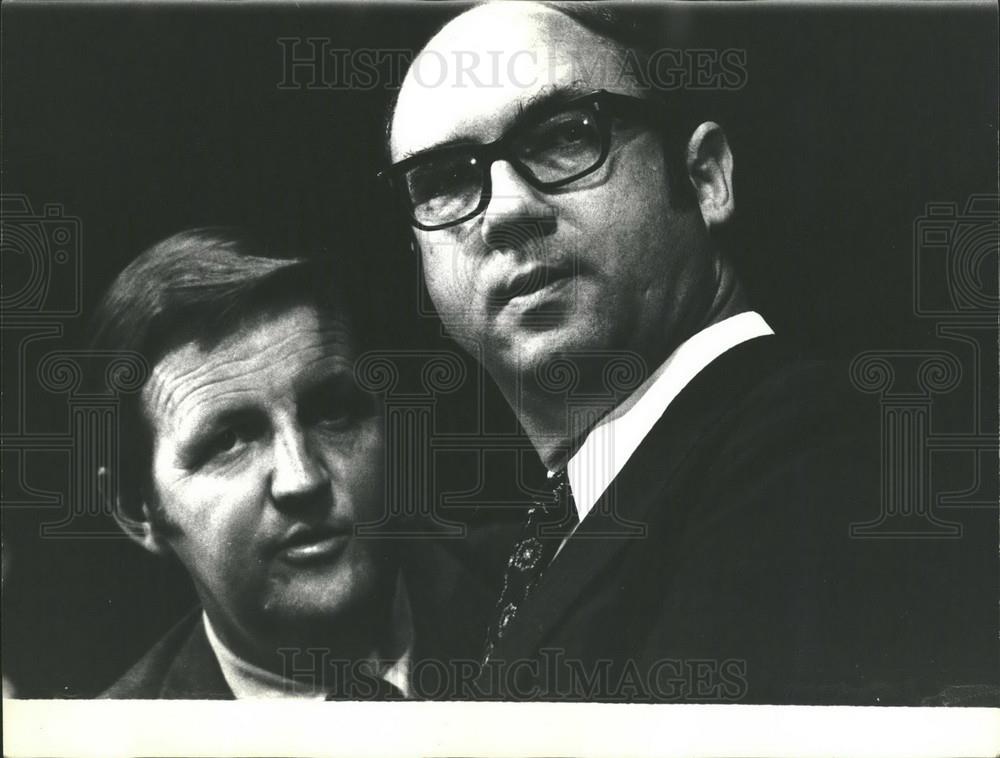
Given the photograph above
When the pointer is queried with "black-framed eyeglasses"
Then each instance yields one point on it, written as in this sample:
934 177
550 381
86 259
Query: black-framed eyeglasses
555 146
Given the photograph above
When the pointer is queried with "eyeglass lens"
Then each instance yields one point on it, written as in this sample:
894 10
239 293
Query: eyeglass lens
451 184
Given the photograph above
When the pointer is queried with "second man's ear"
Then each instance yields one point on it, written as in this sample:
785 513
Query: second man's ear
140 526
145 531
710 170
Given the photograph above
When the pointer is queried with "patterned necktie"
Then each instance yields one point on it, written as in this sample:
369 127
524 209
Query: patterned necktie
548 522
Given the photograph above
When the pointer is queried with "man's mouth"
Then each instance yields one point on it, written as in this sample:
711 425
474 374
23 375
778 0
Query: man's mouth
307 545
529 287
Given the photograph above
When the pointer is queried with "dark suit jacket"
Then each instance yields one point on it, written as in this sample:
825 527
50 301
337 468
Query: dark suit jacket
450 607
180 666
744 584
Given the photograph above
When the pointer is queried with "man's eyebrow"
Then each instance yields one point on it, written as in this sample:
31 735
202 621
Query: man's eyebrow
540 102
323 377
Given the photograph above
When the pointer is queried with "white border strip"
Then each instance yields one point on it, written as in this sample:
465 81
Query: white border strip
197 728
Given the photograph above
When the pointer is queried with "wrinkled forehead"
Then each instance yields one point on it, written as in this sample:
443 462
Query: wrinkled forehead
267 352
472 78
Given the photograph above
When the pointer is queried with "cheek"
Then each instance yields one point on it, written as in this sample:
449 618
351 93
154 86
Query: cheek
216 544
637 196
442 286
646 232
448 270
360 471
214 509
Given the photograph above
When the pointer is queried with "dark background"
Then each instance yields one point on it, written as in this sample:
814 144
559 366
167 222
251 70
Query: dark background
141 120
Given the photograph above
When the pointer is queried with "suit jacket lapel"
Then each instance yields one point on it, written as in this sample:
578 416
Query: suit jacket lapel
195 671
644 481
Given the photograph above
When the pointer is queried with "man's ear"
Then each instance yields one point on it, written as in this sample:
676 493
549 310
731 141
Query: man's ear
141 529
710 169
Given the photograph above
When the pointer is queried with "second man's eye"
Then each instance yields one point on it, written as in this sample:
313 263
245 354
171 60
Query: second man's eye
225 441
336 406
219 446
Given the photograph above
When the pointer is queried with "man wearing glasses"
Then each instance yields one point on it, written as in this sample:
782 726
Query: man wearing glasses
695 546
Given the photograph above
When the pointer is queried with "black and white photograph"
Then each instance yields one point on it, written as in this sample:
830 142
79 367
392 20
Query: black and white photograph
547 378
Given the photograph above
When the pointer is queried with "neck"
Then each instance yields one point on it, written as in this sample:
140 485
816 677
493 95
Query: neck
313 651
556 430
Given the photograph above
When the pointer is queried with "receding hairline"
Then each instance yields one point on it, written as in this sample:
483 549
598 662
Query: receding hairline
523 8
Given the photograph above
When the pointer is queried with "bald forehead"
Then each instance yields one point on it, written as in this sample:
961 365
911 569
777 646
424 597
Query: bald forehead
499 24
473 76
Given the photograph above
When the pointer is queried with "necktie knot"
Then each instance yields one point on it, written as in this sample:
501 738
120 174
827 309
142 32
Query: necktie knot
561 515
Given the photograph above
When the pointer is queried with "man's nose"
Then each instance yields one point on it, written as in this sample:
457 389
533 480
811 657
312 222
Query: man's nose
300 475
517 214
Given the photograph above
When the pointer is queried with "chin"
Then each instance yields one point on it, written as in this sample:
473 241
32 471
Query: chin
531 349
325 595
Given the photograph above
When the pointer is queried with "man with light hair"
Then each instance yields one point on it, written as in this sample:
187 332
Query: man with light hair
250 456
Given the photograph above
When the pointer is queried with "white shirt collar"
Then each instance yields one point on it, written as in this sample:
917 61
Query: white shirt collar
610 444
248 681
